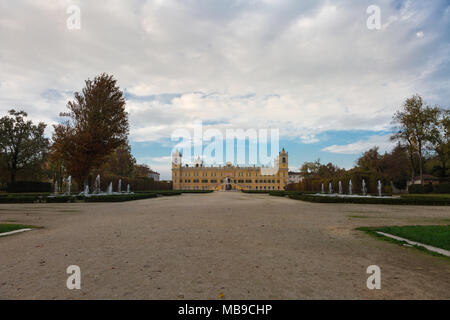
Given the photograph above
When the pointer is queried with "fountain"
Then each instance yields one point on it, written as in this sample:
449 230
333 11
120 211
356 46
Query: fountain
350 195
86 190
119 187
379 188
69 184
128 188
56 187
97 184
110 188
323 189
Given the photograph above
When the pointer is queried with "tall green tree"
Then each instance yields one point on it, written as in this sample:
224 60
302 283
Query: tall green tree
414 127
371 160
22 144
439 139
96 125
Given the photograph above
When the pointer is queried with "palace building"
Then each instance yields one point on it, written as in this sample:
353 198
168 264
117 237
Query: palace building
229 177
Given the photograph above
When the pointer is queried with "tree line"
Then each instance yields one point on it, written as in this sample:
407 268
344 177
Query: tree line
91 139
422 135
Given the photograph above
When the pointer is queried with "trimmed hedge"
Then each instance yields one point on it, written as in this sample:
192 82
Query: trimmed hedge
430 188
18 199
29 186
195 191
120 198
258 191
82 198
425 201
60 199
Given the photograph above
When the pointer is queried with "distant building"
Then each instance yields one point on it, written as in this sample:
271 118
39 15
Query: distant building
295 177
229 177
154 175
427 179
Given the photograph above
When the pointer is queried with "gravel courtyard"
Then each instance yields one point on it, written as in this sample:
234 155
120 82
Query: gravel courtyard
203 246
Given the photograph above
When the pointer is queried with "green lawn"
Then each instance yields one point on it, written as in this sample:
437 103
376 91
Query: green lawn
436 236
12 227
427 195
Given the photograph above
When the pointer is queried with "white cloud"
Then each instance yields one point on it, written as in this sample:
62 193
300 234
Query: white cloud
303 67
383 142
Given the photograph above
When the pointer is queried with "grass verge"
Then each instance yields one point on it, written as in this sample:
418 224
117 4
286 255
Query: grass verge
436 236
6 227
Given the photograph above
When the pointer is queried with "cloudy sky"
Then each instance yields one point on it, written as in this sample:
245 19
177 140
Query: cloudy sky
310 68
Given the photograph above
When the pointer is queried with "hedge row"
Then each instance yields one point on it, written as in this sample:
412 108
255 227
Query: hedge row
18 199
120 198
425 201
73 198
29 186
430 188
195 191
258 191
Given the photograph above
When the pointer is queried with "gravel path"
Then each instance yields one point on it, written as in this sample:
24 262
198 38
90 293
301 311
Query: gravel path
243 246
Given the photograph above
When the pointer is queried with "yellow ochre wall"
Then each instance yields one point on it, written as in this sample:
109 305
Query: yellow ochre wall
214 178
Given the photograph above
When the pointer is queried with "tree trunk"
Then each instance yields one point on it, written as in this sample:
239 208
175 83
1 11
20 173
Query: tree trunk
13 175
420 165
413 173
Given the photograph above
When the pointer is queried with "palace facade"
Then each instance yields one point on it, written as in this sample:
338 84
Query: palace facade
229 177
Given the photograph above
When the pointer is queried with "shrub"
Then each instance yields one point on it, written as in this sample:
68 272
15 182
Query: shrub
441 188
430 188
19 199
29 186
426 201
195 191
120 198
60 199
258 191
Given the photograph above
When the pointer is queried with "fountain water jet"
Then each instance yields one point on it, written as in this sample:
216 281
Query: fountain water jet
97 184
322 189
379 188
110 188
350 187
128 188
86 190
330 188
340 187
364 188
69 184
119 187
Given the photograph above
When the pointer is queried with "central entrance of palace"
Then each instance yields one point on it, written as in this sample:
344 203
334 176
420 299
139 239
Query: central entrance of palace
228 184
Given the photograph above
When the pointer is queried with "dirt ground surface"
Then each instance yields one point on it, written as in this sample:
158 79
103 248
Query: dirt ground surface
203 246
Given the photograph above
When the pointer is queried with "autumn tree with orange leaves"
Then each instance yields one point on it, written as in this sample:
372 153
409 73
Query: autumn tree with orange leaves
95 126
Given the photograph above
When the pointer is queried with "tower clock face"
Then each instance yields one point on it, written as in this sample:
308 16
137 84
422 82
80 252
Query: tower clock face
175 160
